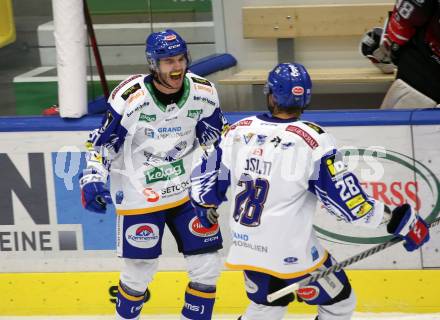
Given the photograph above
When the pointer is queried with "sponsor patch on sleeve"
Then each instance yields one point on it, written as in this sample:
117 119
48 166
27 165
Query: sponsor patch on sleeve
244 123
362 210
335 165
123 83
314 127
304 135
355 201
201 81
127 93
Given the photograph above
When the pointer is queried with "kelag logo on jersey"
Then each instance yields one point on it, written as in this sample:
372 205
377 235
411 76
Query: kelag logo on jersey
393 185
165 172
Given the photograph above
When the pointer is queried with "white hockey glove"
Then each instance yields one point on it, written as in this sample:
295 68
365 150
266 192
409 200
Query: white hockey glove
378 53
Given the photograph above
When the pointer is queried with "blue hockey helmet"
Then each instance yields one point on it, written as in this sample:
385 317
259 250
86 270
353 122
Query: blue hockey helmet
290 85
164 44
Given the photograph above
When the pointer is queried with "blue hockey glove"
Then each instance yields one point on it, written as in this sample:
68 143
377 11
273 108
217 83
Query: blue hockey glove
409 226
207 216
94 194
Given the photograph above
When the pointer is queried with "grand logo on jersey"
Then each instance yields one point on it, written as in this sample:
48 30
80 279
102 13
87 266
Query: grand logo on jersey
169 129
165 172
144 235
390 177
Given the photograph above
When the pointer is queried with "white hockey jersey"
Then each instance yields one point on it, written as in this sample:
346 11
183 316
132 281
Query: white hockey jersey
277 170
148 147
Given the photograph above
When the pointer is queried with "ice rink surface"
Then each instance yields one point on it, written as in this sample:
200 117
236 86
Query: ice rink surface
357 316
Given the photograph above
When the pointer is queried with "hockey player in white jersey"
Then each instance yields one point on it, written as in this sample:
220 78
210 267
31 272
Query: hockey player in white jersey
146 145
277 168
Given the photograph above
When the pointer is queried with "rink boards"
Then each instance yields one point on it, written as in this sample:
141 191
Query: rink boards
57 258
83 293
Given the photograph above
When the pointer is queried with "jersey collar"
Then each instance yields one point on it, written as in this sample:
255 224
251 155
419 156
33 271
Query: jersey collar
269 118
160 105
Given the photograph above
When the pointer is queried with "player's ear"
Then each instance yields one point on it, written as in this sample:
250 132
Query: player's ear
271 100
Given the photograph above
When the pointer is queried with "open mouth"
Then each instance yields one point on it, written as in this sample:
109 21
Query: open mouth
176 75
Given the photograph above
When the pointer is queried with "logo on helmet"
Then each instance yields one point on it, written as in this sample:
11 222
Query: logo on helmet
170 37
298 91
174 46
294 71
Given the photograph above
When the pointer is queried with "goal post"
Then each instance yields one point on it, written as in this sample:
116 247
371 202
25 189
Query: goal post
70 42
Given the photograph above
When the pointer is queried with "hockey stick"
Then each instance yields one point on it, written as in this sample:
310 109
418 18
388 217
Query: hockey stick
338 266
95 48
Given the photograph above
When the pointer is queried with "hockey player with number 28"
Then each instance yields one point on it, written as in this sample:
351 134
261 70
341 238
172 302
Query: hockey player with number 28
278 167
146 145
